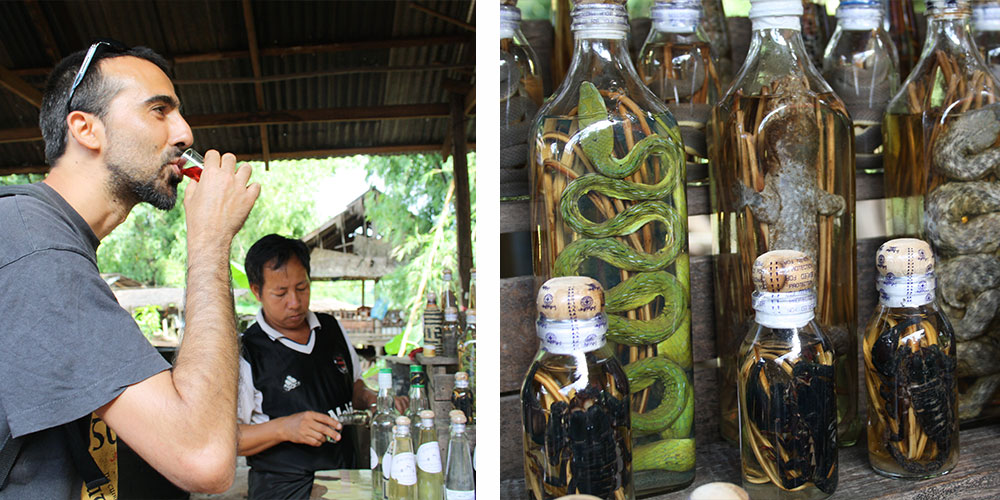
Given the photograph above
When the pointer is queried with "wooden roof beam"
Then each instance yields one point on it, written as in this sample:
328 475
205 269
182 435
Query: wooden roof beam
258 88
443 17
44 30
344 114
21 88
461 68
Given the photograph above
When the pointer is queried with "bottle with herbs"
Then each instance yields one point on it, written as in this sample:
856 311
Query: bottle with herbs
676 62
520 97
788 408
942 184
861 66
608 201
909 353
782 177
986 27
575 400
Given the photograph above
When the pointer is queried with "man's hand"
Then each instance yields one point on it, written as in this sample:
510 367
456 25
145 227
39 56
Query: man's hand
309 427
401 403
221 201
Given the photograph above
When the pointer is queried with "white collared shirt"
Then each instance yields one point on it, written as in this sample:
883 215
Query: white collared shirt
249 400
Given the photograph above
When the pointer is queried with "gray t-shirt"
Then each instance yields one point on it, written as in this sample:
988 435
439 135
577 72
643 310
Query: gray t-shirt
68 347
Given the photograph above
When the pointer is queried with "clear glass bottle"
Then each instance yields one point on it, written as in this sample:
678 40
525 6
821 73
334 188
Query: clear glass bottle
676 62
419 399
714 25
433 317
901 24
430 478
941 184
608 201
577 424
782 177
403 478
861 65
986 26
909 353
520 97
467 345
451 332
462 397
459 476
787 400
381 435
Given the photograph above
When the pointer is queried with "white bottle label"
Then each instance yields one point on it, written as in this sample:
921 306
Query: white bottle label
404 468
459 494
374 458
429 457
386 464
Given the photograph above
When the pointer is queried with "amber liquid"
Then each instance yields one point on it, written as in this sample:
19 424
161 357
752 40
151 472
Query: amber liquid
741 237
887 395
604 463
906 169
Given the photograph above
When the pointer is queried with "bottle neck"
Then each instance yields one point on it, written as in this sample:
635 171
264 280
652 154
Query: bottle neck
948 31
905 291
384 401
607 57
401 431
784 310
458 431
859 18
510 21
782 49
670 19
572 336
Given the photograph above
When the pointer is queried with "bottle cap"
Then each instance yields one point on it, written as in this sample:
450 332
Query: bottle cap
904 257
775 8
570 298
385 378
431 296
457 417
402 420
446 274
781 271
461 376
600 19
426 415
416 368
939 6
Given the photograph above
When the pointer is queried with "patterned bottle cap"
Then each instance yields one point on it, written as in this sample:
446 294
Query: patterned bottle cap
782 271
570 298
904 257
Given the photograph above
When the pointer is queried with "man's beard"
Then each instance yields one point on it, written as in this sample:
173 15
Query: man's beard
136 187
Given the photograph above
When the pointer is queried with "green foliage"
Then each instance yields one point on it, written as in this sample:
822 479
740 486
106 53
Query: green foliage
148 319
7 180
413 214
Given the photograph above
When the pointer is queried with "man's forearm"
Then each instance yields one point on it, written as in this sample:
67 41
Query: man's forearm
255 438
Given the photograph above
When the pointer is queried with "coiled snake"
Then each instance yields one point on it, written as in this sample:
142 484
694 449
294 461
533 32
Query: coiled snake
672 418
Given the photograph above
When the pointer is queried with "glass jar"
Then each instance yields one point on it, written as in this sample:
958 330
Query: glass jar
909 353
787 401
676 62
860 64
608 201
577 430
986 26
901 24
520 97
941 183
782 177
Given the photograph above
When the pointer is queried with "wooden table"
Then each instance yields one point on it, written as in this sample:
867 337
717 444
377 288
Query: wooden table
343 484
974 478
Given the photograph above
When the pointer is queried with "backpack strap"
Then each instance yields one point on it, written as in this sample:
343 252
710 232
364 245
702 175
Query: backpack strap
76 433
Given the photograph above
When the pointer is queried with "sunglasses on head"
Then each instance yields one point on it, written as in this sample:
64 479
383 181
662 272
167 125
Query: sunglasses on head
106 44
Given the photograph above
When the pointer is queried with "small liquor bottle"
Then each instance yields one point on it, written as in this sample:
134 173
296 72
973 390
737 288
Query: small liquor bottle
788 407
459 476
575 398
430 479
403 478
462 398
909 352
419 399
381 435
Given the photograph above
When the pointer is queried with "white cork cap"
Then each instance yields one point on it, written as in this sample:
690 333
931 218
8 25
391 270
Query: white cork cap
570 298
783 271
402 420
904 257
719 491
462 376
426 414
457 418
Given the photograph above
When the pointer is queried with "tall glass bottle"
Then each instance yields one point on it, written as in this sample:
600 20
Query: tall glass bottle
467 345
419 399
901 24
782 177
909 353
520 97
403 478
432 325
462 398
451 330
676 62
459 477
608 201
861 65
430 479
381 435
788 407
986 26
941 183
577 427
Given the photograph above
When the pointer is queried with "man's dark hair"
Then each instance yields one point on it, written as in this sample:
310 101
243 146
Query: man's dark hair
273 251
92 96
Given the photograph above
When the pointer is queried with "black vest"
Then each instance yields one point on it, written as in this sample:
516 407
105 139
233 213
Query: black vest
292 382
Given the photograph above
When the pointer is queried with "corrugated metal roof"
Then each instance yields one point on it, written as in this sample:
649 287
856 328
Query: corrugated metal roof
319 76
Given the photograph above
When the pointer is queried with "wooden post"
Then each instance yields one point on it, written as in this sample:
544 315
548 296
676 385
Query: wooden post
463 207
